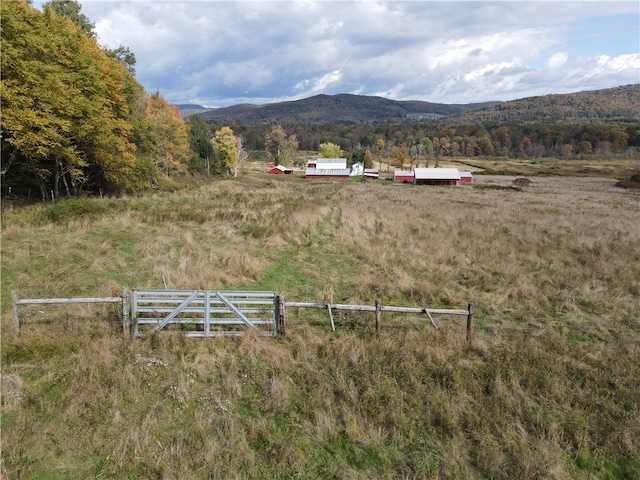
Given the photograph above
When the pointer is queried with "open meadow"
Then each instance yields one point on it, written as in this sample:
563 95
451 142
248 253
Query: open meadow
548 388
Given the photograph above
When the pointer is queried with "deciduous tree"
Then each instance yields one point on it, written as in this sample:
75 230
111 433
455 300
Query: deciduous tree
225 151
379 149
241 154
280 147
330 150
172 136
71 9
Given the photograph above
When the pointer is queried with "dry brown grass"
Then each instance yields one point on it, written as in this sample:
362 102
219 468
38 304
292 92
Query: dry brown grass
547 389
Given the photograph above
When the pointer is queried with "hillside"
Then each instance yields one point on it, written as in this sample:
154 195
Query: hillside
613 104
334 108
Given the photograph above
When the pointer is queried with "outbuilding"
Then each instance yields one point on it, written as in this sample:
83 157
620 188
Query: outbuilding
437 176
403 176
466 177
280 170
371 173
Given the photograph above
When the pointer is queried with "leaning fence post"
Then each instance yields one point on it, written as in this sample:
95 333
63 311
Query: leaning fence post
470 323
378 313
333 325
14 309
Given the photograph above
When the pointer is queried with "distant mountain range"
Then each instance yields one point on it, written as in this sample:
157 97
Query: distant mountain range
621 104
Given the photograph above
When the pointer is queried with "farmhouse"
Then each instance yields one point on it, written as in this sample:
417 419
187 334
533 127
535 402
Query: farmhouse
437 176
357 169
280 170
404 176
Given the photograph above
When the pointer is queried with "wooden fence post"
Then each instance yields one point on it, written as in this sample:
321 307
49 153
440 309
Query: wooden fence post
470 323
126 317
333 325
14 310
378 314
281 315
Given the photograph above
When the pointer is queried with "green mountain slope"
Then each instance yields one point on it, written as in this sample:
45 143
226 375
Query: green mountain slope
334 108
619 104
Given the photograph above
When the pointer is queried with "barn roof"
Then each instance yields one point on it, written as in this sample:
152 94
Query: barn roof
403 173
282 168
339 161
325 172
437 174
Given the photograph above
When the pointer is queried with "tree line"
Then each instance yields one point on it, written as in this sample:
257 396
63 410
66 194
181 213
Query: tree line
514 139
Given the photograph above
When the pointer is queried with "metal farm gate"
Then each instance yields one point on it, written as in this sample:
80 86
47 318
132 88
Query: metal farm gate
203 313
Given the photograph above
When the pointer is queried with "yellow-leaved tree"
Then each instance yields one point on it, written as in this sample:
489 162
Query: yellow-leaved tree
173 152
65 113
330 150
225 151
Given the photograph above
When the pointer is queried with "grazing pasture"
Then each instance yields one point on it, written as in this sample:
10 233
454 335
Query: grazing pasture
548 388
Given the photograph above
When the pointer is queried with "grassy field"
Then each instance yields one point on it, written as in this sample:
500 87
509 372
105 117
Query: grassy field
548 388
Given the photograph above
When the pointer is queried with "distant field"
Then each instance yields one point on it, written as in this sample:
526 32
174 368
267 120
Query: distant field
547 388
613 168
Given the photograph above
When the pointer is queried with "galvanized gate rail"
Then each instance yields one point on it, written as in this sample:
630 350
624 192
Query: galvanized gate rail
204 313
124 300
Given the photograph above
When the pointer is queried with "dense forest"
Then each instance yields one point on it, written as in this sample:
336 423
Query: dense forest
74 118
76 121
433 140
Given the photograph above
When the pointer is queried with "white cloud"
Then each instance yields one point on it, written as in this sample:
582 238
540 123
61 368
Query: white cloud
557 60
224 52
319 85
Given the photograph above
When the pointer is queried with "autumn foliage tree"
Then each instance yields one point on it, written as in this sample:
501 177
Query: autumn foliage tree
73 117
330 150
173 150
64 109
225 152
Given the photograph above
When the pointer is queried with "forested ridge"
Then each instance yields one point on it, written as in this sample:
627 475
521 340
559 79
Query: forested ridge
612 104
333 108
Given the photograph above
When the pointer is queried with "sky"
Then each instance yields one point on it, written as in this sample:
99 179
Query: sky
217 53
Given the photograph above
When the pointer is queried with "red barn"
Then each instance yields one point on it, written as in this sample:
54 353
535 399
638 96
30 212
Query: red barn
404 176
466 177
437 176
280 170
